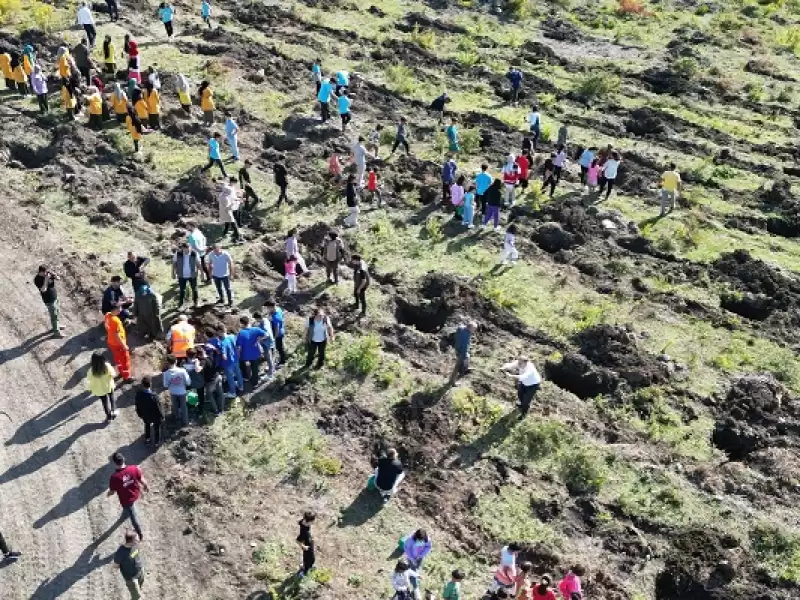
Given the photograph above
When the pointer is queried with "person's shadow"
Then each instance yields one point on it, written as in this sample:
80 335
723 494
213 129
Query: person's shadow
9 354
87 562
79 496
366 505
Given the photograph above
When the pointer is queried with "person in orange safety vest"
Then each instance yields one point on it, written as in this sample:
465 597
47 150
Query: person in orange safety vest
180 337
118 343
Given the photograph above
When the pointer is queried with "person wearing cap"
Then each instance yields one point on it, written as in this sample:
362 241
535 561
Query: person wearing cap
180 337
528 382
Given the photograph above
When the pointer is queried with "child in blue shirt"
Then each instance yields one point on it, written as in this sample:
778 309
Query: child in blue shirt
344 110
205 12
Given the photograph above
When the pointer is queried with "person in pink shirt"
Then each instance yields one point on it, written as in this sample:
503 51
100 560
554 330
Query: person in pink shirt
457 195
335 167
592 174
291 274
571 584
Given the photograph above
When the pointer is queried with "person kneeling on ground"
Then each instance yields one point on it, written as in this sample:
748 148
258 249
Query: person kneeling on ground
388 475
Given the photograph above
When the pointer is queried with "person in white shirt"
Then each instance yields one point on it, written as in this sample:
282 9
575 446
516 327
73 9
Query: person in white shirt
528 382
509 252
228 209
86 20
535 125
318 331
293 249
610 169
559 162
197 242
222 272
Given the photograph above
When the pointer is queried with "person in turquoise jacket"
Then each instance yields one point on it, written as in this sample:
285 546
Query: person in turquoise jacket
205 12
232 136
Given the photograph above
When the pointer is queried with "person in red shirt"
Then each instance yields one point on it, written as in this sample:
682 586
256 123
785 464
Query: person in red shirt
373 185
543 591
127 483
524 164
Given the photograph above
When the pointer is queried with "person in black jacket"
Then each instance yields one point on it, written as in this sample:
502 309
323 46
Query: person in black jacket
494 200
282 181
351 198
438 106
149 410
247 186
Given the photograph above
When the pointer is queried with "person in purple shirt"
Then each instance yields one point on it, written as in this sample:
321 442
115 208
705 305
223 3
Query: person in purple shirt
448 177
39 85
416 547
248 343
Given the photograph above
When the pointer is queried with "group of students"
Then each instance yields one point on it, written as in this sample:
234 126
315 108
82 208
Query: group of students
511 581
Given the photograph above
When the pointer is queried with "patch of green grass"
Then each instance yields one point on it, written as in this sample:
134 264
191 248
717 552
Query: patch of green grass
474 413
401 79
597 86
508 517
294 449
778 550
363 356
268 558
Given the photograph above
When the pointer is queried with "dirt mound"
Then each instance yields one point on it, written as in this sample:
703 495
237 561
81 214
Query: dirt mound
608 362
551 237
754 275
443 299
562 30
757 411
666 81
645 121
779 195
425 424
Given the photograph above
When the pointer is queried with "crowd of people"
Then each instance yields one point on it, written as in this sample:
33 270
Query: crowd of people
211 368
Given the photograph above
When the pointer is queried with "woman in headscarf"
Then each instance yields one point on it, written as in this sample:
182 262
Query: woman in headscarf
184 93
64 67
206 102
511 178
95 108
134 66
28 59
68 98
39 85
134 126
119 101
18 74
153 105
140 104
5 68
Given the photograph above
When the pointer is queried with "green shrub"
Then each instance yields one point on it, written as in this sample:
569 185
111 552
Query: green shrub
754 91
686 67
267 558
468 58
583 471
363 356
433 229
534 440
519 9
479 410
778 550
424 38
402 79
597 86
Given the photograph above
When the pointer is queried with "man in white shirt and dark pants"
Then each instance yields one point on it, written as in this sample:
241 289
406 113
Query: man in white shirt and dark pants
86 20
222 272
528 382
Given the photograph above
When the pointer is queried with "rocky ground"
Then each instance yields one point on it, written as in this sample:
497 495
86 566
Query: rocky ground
661 450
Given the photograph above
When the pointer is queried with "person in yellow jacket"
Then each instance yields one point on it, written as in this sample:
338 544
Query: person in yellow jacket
109 56
134 126
153 105
184 93
100 382
206 102
95 108
119 102
68 99
18 74
64 68
5 67
180 337
140 105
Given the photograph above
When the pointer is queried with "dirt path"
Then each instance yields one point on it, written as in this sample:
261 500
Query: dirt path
54 465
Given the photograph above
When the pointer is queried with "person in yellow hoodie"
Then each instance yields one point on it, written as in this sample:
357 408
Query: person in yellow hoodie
140 105
68 98
100 381
5 67
64 67
134 126
109 56
153 105
95 108
119 102
206 102
18 74
184 93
